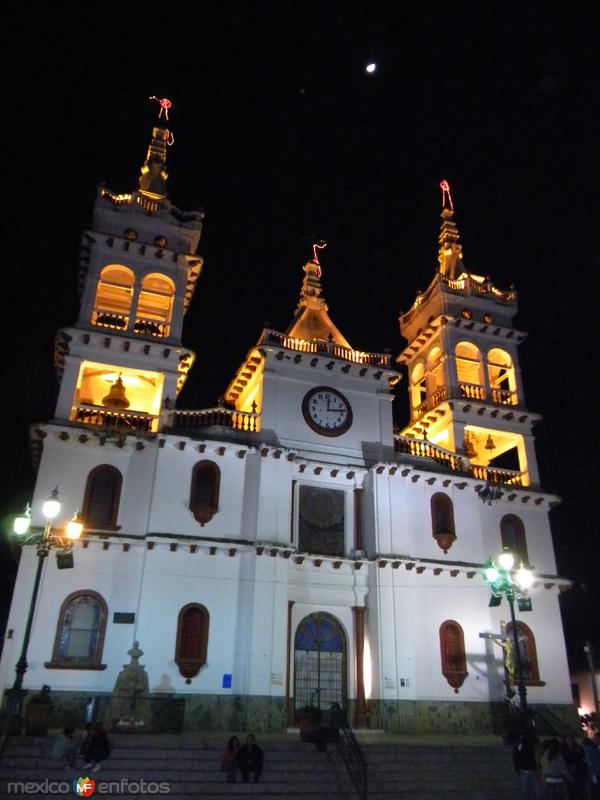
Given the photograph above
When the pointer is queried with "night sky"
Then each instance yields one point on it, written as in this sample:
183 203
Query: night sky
280 136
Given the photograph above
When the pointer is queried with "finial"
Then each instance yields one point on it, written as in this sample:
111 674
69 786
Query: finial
320 245
164 103
445 187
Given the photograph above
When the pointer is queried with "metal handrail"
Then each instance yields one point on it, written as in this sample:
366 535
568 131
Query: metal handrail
350 751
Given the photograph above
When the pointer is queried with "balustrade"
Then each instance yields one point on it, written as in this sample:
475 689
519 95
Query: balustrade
209 417
473 391
108 319
425 449
504 397
136 421
151 327
327 348
506 477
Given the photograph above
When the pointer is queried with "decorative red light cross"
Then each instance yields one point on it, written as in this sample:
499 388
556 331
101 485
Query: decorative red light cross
318 246
164 103
445 187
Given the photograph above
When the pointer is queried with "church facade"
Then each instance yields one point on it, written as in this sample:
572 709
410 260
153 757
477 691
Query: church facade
288 548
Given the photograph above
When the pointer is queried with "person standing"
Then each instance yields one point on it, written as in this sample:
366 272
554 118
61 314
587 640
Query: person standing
592 757
525 761
251 759
557 776
229 758
575 760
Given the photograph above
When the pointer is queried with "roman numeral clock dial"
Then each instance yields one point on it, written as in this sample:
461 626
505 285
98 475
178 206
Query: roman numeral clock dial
327 411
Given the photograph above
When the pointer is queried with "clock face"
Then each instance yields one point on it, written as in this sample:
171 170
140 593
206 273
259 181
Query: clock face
327 411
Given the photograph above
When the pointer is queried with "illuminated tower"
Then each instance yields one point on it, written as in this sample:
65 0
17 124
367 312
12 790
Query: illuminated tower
466 392
123 361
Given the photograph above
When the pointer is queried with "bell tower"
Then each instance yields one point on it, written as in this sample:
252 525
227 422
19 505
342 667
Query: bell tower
466 392
123 361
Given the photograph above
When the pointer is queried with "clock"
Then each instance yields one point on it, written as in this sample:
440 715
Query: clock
327 411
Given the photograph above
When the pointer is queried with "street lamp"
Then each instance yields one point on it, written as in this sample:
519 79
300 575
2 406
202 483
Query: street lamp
44 540
502 582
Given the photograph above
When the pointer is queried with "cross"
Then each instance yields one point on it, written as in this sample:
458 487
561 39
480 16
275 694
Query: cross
445 187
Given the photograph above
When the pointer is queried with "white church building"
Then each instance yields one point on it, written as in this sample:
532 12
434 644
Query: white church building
289 547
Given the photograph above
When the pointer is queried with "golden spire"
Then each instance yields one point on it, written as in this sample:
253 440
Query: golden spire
450 252
311 320
153 178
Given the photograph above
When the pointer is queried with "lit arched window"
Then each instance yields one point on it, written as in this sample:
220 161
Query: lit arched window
418 389
442 520
469 370
204 493
528 653
452 651
113 297
155 305
102 495
501 375
512 532
192 639
435 373
80 631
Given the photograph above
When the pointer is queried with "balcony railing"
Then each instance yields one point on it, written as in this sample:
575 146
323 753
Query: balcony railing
108 319
209 417
430 402
506 477
473 391
136 421
425 449
504 397
330 348
151 327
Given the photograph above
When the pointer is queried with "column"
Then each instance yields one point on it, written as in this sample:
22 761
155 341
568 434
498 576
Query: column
360 714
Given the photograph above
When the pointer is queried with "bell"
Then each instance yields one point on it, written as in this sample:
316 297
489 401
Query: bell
470 451
116 398
490 444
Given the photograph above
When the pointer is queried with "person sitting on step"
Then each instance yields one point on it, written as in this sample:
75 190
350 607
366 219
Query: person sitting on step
96 748
229 758
250 759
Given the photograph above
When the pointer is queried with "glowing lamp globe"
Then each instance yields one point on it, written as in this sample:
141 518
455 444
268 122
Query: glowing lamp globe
21 524
51 507
74 528
491 572
524 577
506 560
370 68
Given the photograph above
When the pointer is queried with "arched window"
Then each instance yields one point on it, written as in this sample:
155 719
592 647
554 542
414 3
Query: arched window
452 651
442 520
192 639
113 297
155 305
435 374
512 532
501 375
102 495
528 653
80 631
418 389
469 369
204 493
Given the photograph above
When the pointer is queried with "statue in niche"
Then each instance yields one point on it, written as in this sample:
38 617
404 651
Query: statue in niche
129 704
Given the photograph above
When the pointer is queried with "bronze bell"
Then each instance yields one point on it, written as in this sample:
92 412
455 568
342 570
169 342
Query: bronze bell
490 444
470 451
116 398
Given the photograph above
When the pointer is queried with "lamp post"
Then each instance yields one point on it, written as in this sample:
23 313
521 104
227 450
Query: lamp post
44 540
502 582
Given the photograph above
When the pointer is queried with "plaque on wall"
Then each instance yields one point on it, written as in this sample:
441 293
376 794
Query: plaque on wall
124 617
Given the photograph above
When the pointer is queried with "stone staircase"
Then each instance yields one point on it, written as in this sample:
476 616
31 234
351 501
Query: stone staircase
292 770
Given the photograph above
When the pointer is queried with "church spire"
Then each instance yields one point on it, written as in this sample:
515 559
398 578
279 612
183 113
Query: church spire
311 320
153 177
450 252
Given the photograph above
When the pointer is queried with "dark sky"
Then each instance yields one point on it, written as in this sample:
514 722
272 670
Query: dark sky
281 135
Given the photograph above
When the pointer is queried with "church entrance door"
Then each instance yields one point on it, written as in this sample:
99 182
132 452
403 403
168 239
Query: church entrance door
320 675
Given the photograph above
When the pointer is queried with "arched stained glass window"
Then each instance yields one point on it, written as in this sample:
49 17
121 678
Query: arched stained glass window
192 639
452 651
319 663
80 630
102 495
